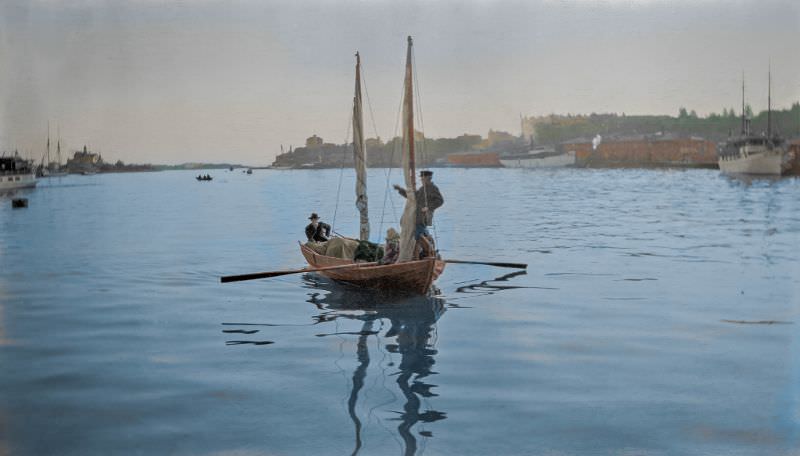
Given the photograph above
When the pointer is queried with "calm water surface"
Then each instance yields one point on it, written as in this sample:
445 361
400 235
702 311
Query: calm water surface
634 331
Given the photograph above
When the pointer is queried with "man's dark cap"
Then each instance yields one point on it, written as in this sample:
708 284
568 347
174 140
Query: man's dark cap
313 216
426 173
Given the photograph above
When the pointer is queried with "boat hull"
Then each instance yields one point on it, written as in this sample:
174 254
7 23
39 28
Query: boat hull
553 161
12 181
768 162
407 277
754 155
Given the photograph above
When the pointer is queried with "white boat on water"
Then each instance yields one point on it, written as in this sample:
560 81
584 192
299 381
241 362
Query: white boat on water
753 154
539 157
16 173
49 168
55 169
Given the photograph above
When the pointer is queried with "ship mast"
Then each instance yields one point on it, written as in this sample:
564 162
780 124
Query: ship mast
48 145
744 121
769 101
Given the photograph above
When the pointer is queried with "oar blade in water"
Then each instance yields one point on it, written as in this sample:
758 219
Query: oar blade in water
489 263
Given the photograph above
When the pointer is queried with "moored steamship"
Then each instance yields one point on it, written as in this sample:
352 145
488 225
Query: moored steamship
16 173
753 154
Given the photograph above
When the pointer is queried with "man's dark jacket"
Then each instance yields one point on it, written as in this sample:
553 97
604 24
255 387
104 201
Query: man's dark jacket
427 196
320 234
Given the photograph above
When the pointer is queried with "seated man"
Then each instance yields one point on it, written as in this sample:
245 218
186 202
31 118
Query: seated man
317 231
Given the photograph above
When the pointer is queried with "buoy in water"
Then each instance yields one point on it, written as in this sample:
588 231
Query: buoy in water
17 203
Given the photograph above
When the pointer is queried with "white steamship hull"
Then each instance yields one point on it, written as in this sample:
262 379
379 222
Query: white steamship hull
764 162
13 181
553 161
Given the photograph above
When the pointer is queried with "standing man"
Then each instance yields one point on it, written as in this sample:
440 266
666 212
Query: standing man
317 231
429 198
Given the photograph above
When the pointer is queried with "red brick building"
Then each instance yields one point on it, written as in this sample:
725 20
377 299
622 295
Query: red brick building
649 151
484 159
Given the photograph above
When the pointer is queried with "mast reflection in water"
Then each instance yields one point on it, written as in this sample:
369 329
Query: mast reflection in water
412 323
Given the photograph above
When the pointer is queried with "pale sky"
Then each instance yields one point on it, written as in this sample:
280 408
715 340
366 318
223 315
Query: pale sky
232 81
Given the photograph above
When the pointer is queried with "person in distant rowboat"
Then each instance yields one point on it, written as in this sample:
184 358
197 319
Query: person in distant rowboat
429 198
317 231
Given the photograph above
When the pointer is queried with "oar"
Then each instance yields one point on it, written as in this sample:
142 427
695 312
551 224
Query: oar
499 265
264 275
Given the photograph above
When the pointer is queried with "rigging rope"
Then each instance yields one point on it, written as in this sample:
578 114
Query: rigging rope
395 144
388 169
423 150
369 104
345 149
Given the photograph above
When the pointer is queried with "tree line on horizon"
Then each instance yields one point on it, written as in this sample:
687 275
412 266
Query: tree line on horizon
714 126
552 131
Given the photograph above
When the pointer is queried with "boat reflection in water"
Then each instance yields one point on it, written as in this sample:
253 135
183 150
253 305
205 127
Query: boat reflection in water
412 321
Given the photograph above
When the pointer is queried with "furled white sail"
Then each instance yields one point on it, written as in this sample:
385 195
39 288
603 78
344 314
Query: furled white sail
360 157
408 221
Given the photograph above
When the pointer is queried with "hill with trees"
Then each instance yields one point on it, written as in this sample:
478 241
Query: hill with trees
715 126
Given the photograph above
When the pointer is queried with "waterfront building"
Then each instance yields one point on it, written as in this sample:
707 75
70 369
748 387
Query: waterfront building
84 162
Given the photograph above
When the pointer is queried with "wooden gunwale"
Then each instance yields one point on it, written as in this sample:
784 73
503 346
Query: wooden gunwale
415 276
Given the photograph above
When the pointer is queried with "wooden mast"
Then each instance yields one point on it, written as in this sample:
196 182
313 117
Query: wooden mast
408 221
48 145
410 119
744 117
769 102
360 157
58 146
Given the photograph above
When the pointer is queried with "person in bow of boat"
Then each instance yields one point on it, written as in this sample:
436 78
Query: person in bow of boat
429 198
317 231
391 250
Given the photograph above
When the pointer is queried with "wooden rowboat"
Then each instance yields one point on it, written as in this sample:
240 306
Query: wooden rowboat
409 276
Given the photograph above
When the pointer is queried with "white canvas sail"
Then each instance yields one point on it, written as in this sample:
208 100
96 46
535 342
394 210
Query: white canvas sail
360 157
408 221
